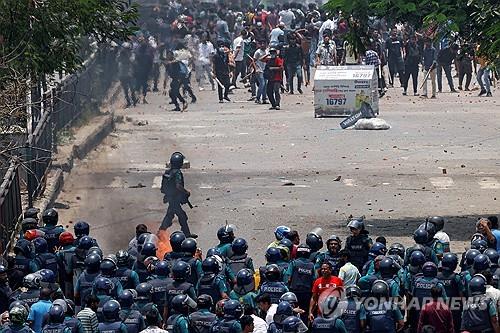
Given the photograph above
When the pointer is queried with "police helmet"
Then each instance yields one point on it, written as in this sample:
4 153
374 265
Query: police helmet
176 160
141 240
479 244
144 291
239 246
205 301
108 268
25 247
189 246
493 255
126 299
291 298
85 243
377 249
22 304
81 228
225 234
181 270
245 281
272 272
182 304
397 249
387 267
92 262
210 265
176 240
353 291
56 314
314 241
429 269
96 250
31 213
430 228
66 238
28 224
303 251
328 306
449 262
18 315
283 311
233 309
110 310
149 249
213 251
481 263
380 289
122 258
47 275
40 245
162 268
438 222
273 255
417 258
356 223
32 281
477 285
470 255
70 307
62 303
334 238
50 216
281 232
286 243
421 236
103 285
477 236
293 324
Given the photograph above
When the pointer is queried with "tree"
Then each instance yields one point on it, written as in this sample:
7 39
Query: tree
477 21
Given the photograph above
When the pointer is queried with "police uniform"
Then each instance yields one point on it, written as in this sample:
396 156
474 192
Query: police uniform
64 257
112 327
48 261
175 288
133 319
477 313
382 318
128 278
196 270
52 233
333 259
227 326
238 262
159 291
331 325
74 324
351 312
212 285
359 247
245 299
202 320
300 276
84 285
175 199
275 290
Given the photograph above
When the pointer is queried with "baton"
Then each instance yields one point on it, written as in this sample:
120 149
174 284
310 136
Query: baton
427 76
218 81
189 204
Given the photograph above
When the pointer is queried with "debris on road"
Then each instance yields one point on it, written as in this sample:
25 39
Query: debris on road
372 124
139 185
288 184
337 179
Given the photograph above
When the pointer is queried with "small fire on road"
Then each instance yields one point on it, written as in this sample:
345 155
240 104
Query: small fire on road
163 243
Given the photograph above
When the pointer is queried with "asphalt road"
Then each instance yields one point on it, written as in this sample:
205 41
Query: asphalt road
258 169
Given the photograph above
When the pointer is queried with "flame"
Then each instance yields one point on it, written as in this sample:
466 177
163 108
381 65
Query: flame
163 243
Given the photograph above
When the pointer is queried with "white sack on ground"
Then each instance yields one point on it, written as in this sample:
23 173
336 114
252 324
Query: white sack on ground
372 124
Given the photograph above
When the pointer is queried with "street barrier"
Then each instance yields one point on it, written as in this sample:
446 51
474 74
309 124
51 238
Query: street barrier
10 204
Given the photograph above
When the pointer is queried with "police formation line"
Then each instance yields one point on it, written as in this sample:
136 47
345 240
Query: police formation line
61 282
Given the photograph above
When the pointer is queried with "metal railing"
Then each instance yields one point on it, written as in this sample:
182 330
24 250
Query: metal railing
10 203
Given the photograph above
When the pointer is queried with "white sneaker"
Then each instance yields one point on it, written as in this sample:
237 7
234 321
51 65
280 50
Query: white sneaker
201 88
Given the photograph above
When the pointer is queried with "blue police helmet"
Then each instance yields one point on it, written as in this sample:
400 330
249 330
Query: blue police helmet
481 263
40 245
239 246
56 314
181 270
449 262
210 265
233 309
126 299
110 310
417 258
273 255
162 268
429 269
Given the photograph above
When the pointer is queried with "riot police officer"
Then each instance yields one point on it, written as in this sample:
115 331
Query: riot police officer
239 258
64 257
422 239
175 194
315 243
178 322
176 239
50 217
56 321
132 318
300 275
377 249
479 314
160 283
382 315
179 285
243 290
350 309
23 262
333 246
144 296
189 247
293 324
451 282
225 235
202 319
31 291
5 289
273 285
359 243
233 311
283 311
211 282
44 258
388 269
129 279
328 321
112 322
17 316
83 286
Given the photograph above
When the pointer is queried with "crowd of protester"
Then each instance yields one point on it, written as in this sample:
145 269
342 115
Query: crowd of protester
271 50
58 281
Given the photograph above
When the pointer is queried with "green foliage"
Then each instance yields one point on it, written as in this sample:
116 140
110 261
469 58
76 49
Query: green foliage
477 21
39 37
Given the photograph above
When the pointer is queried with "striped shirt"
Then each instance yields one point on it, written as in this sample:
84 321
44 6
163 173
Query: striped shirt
88 318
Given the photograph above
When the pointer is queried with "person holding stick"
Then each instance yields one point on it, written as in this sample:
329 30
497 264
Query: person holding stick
428 66
221 71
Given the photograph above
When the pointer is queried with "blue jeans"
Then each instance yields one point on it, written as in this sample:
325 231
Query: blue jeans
261 91
294 70
483 78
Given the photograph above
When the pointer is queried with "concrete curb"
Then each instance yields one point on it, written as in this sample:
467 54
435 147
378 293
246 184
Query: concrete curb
80 150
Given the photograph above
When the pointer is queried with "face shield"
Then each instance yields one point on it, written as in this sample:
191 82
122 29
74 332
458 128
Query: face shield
190 303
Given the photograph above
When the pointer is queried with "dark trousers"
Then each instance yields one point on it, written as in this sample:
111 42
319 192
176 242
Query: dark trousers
411 69
447 72
294 70
273 92
224 90
240 69
128 90
186 88
465 70
175 208
142 84
396 66
175 93
381 80
156 75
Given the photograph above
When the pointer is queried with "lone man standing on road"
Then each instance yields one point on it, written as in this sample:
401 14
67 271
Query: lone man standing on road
172 186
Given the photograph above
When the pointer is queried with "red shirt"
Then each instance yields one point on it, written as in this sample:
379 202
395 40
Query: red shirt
277 73
436 314
321 284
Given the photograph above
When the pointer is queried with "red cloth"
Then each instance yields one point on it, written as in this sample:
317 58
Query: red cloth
321 284
277 74
438 315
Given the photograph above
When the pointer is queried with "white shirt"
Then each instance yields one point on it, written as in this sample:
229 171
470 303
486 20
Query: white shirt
349 274
270 313
206 51
328 24
275 34
287 17
238 43
494 294
153 329
260 65
259 324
